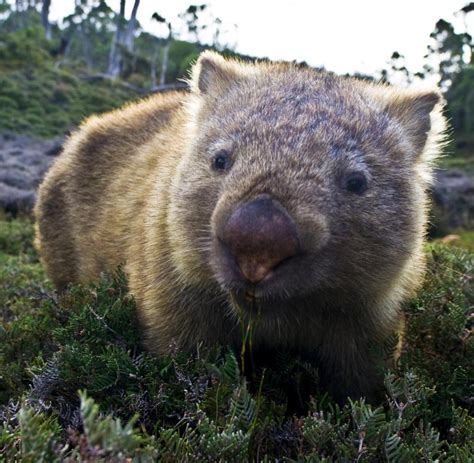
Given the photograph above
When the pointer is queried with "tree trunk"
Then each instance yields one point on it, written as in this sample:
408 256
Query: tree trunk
20 20
132 24
154 58
166 52
45 18
67 48
115 60
64 50
86 46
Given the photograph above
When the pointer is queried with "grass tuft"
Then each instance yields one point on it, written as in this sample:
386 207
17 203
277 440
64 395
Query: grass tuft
182 408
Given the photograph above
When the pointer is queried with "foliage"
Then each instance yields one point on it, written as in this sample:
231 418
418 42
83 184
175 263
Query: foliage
42 100
134 405
454 55
24 48
201 408
459 238
48 87
461 100
450 59
449 46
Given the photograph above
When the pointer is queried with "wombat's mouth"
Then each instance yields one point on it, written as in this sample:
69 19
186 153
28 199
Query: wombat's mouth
259 299
274 287
254 239
246 300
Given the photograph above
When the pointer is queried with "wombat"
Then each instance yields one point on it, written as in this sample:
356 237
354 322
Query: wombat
287 199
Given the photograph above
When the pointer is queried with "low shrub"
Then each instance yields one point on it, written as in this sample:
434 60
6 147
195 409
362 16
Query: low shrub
201 408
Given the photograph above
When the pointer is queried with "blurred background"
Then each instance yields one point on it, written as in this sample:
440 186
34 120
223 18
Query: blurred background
62 60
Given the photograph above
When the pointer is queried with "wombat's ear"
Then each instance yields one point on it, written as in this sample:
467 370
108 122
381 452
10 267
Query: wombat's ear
212 74
413 111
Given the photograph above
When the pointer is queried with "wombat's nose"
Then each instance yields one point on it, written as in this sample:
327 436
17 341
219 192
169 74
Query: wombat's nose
260 234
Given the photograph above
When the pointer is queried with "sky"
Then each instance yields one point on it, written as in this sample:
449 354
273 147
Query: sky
342 36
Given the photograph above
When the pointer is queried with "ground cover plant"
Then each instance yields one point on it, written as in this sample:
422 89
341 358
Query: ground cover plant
43 100
75 384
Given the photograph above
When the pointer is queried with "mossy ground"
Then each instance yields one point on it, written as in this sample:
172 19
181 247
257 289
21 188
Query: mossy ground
459 153
51 102
39 97
177 408
460 238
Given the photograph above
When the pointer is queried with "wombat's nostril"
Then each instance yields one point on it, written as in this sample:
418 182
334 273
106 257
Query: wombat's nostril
260 234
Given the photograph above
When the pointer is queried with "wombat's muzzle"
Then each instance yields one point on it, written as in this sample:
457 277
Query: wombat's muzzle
260 234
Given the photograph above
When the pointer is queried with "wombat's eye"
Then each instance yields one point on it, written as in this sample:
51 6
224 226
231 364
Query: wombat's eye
356 183
221 161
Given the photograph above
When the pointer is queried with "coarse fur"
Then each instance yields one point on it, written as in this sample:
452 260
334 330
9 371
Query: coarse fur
136 187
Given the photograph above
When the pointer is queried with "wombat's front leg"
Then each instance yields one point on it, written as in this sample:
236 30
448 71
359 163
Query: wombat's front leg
351 370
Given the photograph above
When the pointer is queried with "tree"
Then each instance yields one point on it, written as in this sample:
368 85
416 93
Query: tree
465 11
191 18
77 23
460 97
165 52
460 94
123 37
448 51
84 33
399 71
97 23
115 60
217 32
132 25
45 18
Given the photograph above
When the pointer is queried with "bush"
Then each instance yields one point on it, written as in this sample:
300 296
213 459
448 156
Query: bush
178 408
24 47
53 101
8 103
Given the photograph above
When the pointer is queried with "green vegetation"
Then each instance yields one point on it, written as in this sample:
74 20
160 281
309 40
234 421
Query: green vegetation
52 102
50 81
75 383
38 99
39 96
459 238
47 87
459 153
177 408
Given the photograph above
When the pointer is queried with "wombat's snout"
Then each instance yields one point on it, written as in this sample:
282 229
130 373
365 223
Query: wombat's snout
260 234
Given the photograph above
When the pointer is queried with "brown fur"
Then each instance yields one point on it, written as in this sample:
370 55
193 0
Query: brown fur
136 186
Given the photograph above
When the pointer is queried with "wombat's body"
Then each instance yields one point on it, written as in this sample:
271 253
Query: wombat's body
270 193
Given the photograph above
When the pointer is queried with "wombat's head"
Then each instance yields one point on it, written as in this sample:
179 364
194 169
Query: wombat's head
299 182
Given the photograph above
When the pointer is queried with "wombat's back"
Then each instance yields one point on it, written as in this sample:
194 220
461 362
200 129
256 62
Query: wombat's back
105 162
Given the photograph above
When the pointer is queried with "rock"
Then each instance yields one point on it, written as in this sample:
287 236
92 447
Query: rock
16 177
23 164
14 200
55 149
453 201
15 152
